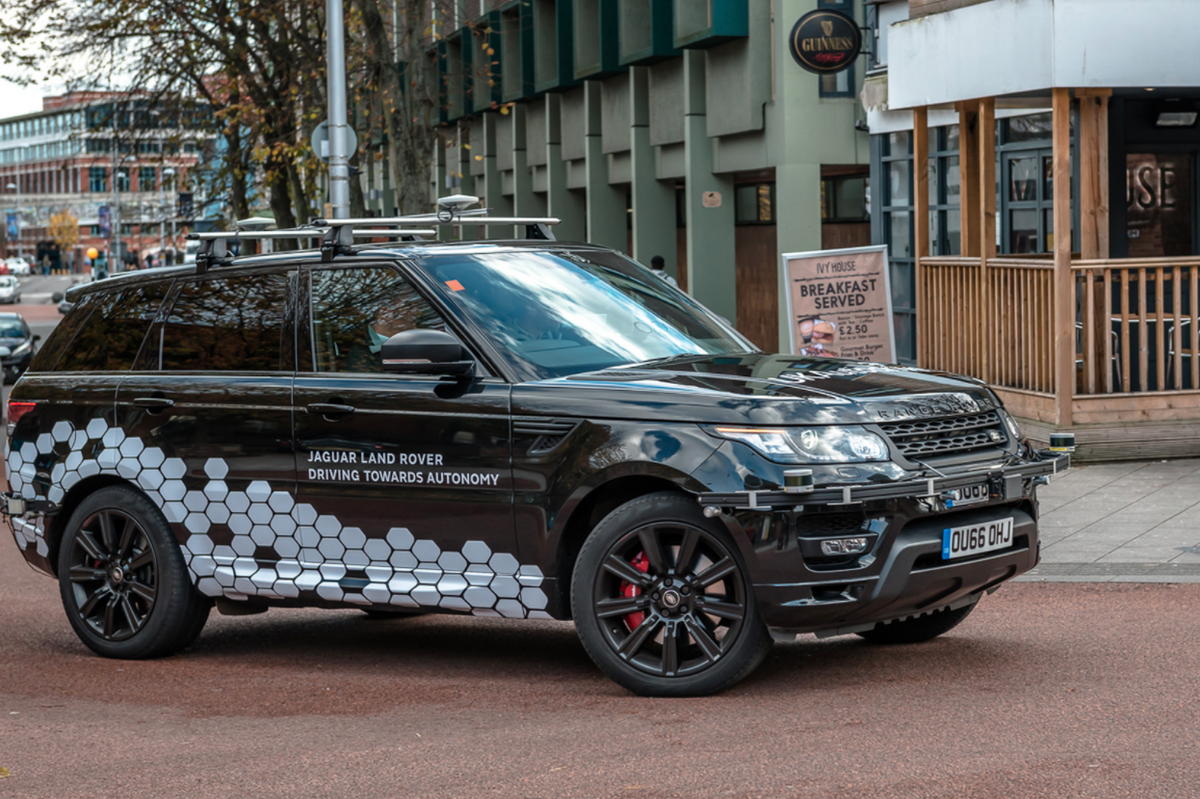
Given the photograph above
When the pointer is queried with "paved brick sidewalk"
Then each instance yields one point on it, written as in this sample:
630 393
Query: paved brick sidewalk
1122 522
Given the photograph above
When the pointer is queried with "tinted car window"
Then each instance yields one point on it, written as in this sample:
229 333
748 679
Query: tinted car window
558 314
227 324
355 310
112 334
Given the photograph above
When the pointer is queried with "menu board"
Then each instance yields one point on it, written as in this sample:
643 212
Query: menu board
839 303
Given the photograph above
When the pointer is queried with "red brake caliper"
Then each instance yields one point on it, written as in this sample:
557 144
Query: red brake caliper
629 591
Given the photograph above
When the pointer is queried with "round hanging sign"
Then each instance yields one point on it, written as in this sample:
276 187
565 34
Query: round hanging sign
825 41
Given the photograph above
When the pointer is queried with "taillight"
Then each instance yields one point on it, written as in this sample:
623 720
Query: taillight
15 411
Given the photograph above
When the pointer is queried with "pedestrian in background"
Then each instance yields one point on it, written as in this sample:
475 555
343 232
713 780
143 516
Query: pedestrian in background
659 267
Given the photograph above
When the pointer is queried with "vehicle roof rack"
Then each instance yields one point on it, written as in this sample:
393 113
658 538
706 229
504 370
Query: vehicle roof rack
453 212
337 235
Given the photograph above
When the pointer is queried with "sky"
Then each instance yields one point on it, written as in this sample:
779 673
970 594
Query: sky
16 100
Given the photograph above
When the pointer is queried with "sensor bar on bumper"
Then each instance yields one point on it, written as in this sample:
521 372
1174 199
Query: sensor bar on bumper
1006 483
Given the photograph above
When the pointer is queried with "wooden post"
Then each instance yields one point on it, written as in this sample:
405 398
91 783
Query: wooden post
1064 280
1093 222
986 135
968 172
921 224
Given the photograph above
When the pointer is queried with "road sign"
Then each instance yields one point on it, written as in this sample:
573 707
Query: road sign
320 141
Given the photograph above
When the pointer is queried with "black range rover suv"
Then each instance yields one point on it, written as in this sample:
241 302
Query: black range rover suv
522 429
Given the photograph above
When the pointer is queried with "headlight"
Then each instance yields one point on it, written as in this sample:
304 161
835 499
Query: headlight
23 348
810 444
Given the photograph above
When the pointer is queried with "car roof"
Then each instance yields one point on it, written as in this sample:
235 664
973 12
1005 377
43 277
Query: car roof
407 251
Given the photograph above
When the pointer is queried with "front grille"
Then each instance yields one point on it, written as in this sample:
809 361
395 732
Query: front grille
947 436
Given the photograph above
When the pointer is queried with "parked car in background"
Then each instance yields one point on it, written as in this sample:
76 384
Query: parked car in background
19 266
10 289
18 345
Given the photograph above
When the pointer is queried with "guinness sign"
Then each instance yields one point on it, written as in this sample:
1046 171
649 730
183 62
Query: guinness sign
825 41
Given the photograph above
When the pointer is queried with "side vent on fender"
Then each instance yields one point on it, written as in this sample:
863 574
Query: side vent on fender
547 433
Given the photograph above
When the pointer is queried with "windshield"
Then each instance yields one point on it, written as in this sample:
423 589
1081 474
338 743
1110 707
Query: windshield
554 314
11 330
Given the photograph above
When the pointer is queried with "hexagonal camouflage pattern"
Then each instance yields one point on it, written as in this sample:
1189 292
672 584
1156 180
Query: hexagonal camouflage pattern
261 542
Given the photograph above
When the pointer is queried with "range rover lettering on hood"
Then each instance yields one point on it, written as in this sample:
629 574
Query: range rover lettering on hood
933 405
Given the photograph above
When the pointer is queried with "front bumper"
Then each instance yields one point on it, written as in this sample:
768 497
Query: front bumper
902 574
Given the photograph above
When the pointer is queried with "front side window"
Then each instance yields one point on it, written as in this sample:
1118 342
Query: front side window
355 310
554 314
227 324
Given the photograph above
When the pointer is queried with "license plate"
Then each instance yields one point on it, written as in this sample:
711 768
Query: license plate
970 495
958 542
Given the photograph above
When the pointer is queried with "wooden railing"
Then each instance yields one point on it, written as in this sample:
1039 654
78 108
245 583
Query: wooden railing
998 330
1137 322
1138 325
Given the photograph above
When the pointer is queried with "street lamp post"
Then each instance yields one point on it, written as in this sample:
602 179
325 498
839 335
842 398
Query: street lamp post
168 172
335 67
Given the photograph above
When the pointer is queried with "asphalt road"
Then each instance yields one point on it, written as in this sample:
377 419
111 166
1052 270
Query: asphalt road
1058 689
1064 689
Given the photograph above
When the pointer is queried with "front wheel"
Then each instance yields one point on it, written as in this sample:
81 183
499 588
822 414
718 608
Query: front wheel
922 628
663 602
123 581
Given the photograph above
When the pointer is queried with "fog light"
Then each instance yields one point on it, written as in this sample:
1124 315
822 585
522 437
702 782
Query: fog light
844 546
1062 442
797 481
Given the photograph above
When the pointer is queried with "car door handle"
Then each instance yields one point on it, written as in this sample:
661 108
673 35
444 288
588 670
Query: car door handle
329 408
153 403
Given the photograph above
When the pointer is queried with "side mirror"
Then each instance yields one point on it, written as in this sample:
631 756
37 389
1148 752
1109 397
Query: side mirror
5 352
425 352
36 338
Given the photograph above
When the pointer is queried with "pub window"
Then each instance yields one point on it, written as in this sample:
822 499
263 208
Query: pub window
945 203
896 205
754 204
838 84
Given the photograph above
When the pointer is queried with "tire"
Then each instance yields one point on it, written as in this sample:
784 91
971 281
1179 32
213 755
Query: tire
123 581
922 628
663 602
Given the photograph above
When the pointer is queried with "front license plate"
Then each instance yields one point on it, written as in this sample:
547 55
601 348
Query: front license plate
958 542
970 495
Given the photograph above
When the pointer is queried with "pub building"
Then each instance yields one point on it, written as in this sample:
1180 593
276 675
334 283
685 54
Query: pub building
996 125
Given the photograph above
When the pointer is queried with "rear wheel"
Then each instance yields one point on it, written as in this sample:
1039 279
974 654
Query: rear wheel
922 628
123 581
663 602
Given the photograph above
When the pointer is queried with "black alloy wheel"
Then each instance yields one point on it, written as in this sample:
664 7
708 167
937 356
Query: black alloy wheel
113 576
123 580
663 603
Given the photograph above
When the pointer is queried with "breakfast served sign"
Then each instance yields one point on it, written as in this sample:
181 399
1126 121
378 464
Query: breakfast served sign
839 303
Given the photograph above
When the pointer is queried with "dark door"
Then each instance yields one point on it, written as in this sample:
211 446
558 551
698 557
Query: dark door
205 422
409 476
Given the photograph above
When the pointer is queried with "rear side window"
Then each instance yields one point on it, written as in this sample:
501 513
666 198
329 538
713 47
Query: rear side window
109 332
228 324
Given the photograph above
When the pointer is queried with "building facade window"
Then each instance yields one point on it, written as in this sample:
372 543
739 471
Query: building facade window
146 181
844 198
754 204
122 180
97 179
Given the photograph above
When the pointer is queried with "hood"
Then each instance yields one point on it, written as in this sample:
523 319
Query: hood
756 389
